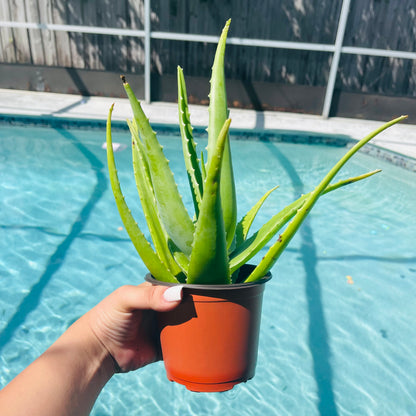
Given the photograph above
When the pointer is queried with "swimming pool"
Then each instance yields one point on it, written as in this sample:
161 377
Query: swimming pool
338 334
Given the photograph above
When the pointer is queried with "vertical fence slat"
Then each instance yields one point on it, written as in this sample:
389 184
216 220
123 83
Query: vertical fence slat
35 36
20 36
7 52
57 12
73 13
135 45
47 36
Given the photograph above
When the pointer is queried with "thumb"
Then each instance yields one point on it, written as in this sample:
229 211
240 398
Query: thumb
146 296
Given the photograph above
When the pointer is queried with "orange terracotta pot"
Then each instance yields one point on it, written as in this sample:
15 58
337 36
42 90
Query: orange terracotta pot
210 341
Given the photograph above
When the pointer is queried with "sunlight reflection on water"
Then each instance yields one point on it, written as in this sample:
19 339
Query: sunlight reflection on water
327 343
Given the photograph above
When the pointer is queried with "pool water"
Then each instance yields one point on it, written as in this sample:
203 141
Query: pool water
338 332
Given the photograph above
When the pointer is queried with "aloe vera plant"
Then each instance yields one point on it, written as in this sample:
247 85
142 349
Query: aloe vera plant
211 247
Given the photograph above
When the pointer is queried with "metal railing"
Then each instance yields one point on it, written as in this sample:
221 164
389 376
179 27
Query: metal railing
147 34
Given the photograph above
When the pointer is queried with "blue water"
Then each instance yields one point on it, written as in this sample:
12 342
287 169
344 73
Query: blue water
338 332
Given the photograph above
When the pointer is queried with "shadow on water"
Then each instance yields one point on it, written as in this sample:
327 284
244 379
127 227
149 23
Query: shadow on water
32 299
318 334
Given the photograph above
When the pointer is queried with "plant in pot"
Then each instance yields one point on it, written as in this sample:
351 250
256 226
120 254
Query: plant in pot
209 343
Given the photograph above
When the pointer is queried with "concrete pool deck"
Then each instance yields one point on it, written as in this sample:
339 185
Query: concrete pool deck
400 139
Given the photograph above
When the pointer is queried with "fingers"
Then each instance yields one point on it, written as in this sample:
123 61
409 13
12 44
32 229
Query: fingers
147 296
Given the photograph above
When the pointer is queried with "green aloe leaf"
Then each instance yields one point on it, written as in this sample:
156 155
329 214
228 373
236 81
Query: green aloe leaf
279 246
143 247
244 225
188 144
172 211
136 137
209 258
203 169
148 202
250 247
181 259
218 113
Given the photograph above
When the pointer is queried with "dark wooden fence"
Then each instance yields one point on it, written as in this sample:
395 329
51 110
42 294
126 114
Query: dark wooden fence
382 24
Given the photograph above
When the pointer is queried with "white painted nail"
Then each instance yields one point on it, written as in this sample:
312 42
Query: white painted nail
173 294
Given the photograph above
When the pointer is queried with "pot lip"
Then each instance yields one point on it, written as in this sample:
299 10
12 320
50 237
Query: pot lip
149 278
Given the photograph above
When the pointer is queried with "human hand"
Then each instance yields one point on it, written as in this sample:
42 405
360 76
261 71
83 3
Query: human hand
125 325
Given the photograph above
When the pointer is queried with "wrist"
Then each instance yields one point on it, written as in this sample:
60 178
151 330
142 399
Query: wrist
100 362
88 353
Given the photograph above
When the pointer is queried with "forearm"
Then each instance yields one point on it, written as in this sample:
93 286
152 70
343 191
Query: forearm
68 377
65 380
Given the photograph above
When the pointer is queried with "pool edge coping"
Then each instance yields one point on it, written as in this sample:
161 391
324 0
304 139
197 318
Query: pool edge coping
239 133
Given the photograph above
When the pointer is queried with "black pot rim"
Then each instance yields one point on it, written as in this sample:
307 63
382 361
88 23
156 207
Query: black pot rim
232 286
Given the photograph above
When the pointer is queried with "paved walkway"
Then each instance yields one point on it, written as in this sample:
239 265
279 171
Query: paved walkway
400 138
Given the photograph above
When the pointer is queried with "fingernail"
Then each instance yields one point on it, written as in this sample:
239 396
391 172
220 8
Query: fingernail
173 294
